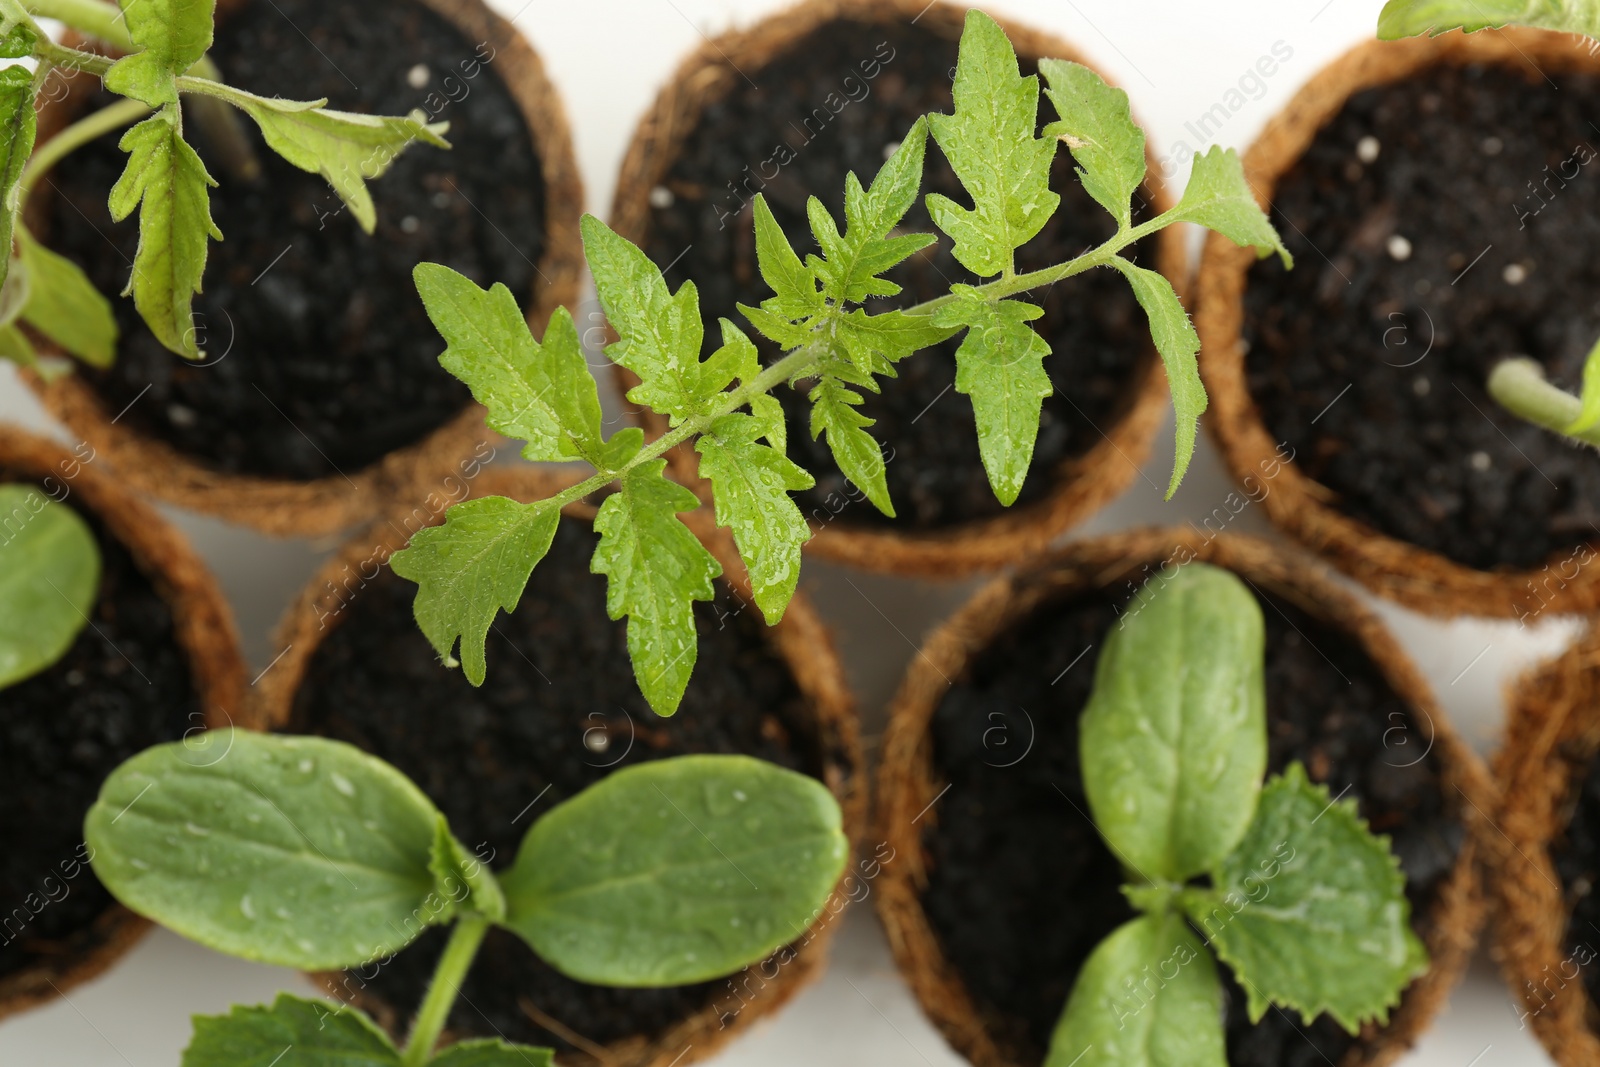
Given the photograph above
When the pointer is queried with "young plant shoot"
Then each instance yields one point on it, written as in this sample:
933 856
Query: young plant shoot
478 562
165 180
49 577
309 853
1304 904
1517 384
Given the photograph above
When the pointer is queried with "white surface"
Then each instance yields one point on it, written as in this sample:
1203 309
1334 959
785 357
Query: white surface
608 58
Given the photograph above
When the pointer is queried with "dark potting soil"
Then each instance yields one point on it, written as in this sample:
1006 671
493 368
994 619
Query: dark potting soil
124 685
558 711
1576 854
1021 888
320 357
1465 240
835 102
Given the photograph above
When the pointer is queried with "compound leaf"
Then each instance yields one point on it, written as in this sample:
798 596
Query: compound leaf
293 1032
1176 340
1219 198
852 262
1097 126
656 570
471 568
990 143
49 578
1310 909
676 871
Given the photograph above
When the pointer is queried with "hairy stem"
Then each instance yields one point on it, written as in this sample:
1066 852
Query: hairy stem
447 979
112 117
1519 386
795 364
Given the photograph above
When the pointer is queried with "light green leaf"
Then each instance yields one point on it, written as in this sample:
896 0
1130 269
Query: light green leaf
1174 736
539 393
656 570
297 851
1178 344
471 568
676 871
347 149
776 325
462 878
857 452
166 177
1219 198
65 306
1407 18
875 342
492 1052
660 332
49 577
1098 127
794 287
17 38
171 34
990 143
18 126
1148 996
15 346
1589 414
294 1032
1000 365
1310 910
751 484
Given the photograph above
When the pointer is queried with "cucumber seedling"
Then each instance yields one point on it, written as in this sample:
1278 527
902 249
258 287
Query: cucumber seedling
49 578
309 853
165 181
541 392
1302 902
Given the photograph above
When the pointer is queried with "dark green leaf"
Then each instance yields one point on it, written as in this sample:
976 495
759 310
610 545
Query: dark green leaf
297 851
294 1032
656 570
1310 910
471 568
65 306
1179 345
1219 198
1174 736
49 577
172 35
676 871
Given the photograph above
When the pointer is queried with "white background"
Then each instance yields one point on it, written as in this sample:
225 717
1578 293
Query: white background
608 58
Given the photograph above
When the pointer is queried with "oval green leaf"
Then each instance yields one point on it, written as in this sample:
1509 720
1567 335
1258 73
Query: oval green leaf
49 575
296 851
676 871
1174 737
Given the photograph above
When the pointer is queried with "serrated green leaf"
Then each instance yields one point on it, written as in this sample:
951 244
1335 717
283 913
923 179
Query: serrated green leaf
1310 909
676 871
471 568
296 851
15 346
1178 344
492 1052
768 411
294 1032
347 149
1407 18
49 578
660 331
751 484
1589 414
539 393
776 326
990 143
1174 737
1000 365
18 127
461 878
656 570
889 337
736 360
166 181
795 288
1218 198
1147 996
65 306
857 452
1098 128
172 35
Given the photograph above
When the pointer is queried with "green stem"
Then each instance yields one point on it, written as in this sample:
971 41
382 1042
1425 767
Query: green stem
794 365
112 117
91 17
72 58
1519 386
447 979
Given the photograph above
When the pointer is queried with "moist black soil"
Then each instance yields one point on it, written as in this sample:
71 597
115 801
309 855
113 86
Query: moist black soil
1467 239
817 107
123 686
1021 887
320 357
1576 854
558 712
